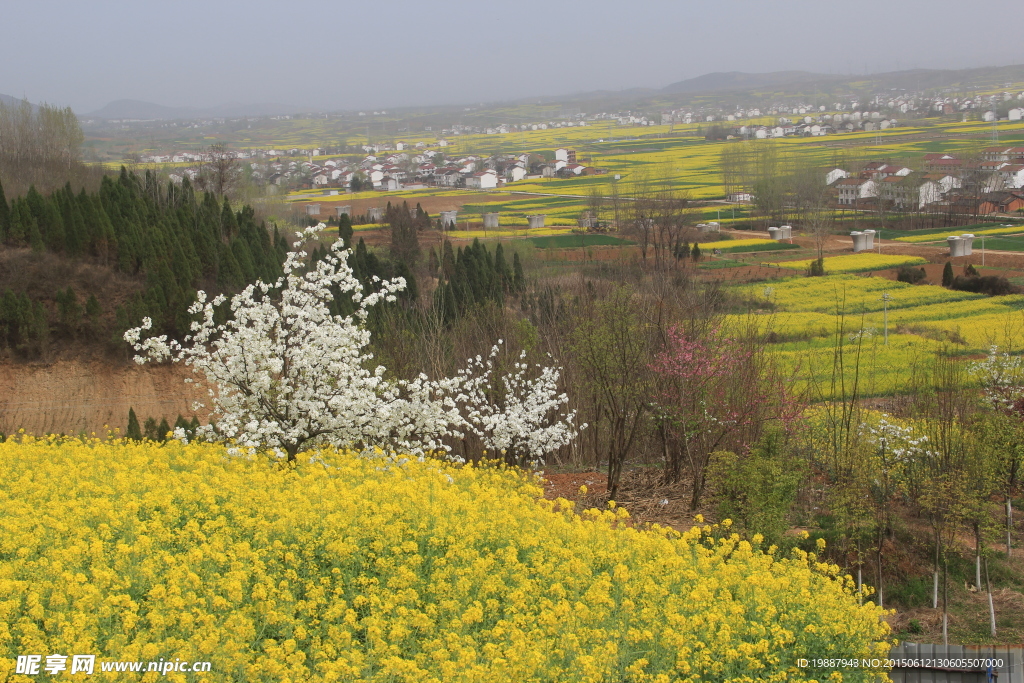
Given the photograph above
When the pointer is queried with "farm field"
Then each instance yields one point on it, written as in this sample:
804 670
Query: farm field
938 236
814 315
856 263
356 568
747 245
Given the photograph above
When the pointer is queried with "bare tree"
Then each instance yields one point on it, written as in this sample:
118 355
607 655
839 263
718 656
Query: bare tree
219 171
813 204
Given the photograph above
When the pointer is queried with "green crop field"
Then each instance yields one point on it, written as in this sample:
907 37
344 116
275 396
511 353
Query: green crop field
579 240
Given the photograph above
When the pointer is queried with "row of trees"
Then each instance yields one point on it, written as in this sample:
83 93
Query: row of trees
472 276
167 236
39 135
39 144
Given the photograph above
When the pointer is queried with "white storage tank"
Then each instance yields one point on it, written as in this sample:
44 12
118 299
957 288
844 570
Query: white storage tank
956 246
775 233
968 242
448 219
869 239
859 241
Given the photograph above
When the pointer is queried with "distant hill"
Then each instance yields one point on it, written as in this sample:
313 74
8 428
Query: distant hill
738 80
138 109
11 101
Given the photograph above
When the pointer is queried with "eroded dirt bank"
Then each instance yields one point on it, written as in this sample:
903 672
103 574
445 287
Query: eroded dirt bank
72 396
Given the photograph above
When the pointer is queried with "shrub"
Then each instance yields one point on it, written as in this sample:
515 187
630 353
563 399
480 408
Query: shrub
992 285
910 275
816 267
758 489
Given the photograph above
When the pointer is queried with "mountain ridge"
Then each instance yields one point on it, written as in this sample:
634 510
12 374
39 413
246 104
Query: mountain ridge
142 110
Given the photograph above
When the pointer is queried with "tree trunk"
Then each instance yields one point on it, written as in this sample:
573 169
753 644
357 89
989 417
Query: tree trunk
945 602
991 607
879 556
1009 526
977 555
698 490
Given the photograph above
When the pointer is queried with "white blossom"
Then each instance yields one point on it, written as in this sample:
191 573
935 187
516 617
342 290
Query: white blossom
1002 378
284 373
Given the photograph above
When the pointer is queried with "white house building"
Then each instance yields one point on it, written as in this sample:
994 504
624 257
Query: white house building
853 189
485 180
835 174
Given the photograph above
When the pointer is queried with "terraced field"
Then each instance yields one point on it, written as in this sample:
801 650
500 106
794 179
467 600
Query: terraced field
812 318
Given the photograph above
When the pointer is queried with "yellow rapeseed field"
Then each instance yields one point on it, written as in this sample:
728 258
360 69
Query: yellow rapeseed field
809 316
856 263
726 245
936 237
353 569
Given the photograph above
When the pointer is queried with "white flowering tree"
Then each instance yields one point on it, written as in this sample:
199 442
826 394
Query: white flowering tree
1002 379
284 373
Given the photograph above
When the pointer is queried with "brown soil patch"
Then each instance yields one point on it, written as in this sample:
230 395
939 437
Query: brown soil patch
71 397
431 204
567 485
641 492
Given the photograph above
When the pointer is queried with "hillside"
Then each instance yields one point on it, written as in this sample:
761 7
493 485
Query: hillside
138 109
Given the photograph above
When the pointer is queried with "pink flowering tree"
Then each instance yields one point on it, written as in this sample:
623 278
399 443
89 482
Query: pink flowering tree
719 393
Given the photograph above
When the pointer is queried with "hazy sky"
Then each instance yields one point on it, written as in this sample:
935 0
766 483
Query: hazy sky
342 55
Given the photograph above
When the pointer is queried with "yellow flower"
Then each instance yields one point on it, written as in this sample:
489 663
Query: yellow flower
344 569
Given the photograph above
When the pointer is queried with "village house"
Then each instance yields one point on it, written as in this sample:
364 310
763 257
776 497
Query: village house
515 173
1002 153
566 155
1001 202
851 190
485 180
909 192
1012 176
834 175
946 181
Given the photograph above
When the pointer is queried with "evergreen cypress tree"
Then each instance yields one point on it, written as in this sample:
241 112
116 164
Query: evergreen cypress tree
228 224
344 230
518 278
69 310
432 262
149 429
162 429
411 293
93 311
947 275
405 244
695 254
501 269
448 261
243 257
134 432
